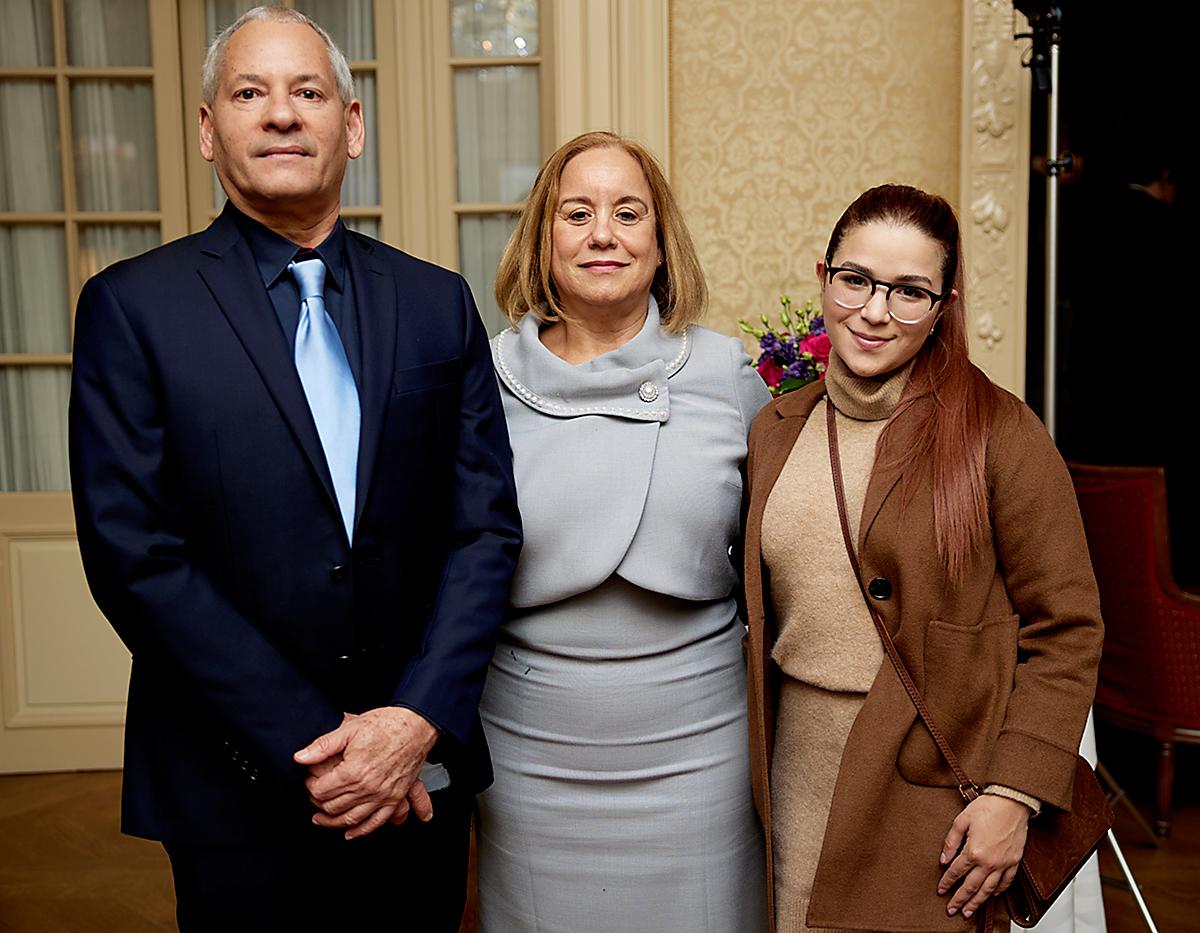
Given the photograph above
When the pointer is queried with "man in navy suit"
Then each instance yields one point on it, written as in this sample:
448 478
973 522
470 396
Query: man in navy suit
294 498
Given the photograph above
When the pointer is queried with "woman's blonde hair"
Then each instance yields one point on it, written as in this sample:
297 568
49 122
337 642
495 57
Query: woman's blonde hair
523 282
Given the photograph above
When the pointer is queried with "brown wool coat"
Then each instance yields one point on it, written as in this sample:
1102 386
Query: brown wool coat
1006 662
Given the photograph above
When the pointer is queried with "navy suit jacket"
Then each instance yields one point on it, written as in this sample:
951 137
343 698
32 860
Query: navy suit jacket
212 540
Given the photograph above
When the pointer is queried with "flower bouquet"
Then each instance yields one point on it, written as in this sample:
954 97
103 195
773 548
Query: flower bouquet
795 355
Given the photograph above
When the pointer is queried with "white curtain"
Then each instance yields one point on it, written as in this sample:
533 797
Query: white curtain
33 279
367 225
107 32
33 319
360 187
220 13
496 120
28 35
115 159
350 22
115 169
481 240
496 115
33 429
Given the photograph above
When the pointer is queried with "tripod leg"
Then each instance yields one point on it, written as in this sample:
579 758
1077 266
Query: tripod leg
1119 796
1133 885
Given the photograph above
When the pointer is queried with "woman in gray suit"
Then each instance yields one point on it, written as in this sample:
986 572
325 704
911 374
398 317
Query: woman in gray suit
615 704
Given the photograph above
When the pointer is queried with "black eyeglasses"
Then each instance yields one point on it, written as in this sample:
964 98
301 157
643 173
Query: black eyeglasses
906 303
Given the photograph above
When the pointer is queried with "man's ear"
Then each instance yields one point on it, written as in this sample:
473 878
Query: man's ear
206 132
356 131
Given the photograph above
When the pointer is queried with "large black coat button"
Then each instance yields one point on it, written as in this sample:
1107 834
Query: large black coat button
880 588
337 573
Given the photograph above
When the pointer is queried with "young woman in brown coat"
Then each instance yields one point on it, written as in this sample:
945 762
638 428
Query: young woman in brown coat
972 551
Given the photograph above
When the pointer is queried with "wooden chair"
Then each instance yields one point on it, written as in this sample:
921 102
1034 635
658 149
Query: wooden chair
1150 669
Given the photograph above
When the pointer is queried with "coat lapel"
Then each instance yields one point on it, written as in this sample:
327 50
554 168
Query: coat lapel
774 448
879 487
378 308
885 478
228 269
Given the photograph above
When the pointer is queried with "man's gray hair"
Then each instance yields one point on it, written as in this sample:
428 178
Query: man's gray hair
214 60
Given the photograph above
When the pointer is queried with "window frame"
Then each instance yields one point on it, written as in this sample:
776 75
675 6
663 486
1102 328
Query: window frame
162 74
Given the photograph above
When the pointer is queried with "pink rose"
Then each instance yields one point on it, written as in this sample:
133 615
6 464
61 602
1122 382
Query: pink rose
770 371
818 346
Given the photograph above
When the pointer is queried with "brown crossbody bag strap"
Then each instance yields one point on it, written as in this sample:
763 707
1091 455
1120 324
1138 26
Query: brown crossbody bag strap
968 788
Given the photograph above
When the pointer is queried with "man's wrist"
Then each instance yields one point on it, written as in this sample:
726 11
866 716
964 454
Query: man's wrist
425 732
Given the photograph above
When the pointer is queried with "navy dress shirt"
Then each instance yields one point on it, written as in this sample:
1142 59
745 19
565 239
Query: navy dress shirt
272 254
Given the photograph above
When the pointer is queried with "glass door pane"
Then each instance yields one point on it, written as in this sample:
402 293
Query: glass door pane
30 157
351 23
497 120
481 242
107 33
33 428
101 245
360 187
116 167
34 314
27 39
494 27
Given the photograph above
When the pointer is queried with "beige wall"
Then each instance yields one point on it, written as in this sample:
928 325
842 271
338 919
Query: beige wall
782 111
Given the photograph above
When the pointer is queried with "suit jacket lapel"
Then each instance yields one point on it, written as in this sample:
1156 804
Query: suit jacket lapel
228 268
378 308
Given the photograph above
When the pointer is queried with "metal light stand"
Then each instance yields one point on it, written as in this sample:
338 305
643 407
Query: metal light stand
1045 20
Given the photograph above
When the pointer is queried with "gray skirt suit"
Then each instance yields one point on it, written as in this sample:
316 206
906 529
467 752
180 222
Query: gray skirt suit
615 705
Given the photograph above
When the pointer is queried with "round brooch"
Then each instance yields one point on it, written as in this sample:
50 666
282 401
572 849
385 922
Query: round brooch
648 391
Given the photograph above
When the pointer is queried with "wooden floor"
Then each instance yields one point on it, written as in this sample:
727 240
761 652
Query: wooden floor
1169 875
65 867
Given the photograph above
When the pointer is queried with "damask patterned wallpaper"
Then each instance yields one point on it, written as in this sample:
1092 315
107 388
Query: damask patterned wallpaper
783 111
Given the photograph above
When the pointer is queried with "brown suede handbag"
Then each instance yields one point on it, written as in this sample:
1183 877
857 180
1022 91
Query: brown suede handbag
1058 842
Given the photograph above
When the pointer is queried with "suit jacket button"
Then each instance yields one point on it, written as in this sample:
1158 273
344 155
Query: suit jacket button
880 588
337 573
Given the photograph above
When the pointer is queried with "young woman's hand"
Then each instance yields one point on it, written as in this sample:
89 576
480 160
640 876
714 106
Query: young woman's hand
988 837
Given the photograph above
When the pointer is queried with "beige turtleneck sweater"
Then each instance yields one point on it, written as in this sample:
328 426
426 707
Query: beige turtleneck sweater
827 644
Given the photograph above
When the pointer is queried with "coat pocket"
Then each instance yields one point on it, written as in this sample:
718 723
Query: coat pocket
969 673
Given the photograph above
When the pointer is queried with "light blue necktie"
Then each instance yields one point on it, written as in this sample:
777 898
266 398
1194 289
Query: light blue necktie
328 385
